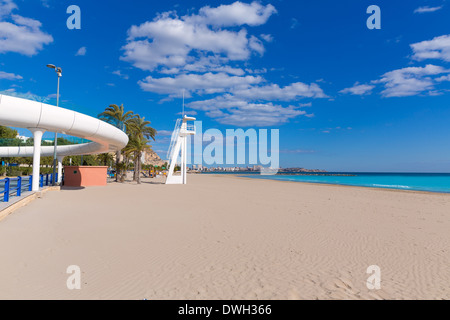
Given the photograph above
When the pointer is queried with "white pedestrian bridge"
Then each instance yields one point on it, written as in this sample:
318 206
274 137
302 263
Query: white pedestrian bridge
40 117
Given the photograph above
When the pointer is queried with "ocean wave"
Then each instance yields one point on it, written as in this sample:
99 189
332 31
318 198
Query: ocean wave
391 186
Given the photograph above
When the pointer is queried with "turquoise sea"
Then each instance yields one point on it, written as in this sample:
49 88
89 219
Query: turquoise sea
432 182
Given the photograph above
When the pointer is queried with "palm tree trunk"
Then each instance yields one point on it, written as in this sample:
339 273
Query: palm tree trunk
135 166
125 166
117 165
139 168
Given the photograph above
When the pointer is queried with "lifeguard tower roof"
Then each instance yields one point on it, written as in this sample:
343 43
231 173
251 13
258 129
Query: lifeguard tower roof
186 118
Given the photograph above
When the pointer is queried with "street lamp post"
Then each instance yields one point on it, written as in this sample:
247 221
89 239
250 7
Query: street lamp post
58 71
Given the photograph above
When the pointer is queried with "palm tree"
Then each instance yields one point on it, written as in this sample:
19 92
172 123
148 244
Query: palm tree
141 127
105 158
137 146
117 116
139 131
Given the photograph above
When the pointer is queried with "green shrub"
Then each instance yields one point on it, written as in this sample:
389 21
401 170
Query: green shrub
47 170
26 171
13 171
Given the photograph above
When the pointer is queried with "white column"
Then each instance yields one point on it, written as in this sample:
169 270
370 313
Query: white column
37 136
185 160
183 165
173 161
60 160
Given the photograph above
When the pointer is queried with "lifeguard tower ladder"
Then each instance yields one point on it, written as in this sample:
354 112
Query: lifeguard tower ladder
179 144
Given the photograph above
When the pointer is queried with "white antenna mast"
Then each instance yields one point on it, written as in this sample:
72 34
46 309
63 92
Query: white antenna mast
182 113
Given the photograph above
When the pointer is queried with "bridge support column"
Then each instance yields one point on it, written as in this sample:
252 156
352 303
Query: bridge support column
37 136
60 166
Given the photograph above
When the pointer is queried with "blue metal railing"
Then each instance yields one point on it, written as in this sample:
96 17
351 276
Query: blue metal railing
15 186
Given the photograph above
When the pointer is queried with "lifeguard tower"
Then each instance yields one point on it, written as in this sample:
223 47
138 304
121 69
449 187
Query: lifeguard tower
178 144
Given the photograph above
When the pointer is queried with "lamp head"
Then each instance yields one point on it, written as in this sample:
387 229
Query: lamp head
58 70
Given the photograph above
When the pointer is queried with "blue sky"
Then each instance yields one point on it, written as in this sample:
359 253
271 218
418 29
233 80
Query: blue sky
344 97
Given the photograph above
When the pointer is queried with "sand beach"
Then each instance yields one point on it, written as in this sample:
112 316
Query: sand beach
224 237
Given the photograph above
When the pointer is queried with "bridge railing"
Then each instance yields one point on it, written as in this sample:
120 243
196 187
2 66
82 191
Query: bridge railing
16 186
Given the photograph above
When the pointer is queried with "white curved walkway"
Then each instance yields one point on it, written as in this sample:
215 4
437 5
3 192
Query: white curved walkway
40 117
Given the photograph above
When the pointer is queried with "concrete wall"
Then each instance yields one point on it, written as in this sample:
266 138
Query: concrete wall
85 176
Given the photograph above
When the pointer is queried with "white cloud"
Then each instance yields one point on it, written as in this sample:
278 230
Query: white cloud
410 81
9 76
207 53
358 89
194 83
171 41
294 23
19 34
53 96
443 78
207 64
426 9
232 111
267 37
242 87
188 113
6 7
437 48
31 23
256 45
168 42
235 14
28 95
164 133
45 3
81 51
256 71
275 92
120 74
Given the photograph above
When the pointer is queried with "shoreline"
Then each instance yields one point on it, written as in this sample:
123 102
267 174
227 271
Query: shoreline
336 185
